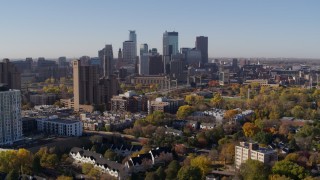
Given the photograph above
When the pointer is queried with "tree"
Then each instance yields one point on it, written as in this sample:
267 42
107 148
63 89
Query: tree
263 137
138 86
172 170
151 176
94 172
86 168
160 173
189 173
110 155
227 153
202 162
289 169
64 178
253 169
230 114
297 111
249 129
193 99
36 166
13 175
184 111
217 101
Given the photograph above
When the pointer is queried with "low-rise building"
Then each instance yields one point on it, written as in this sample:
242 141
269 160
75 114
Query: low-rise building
246 151
128 101
112 168
43 99
61 127
164 104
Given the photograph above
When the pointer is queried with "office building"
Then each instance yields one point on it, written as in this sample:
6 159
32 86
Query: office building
156 65
106 55
62 61
170 48
202 46
85 85
194 57
133 38
143 49
10 116
253 151
144 64
129 52
9 75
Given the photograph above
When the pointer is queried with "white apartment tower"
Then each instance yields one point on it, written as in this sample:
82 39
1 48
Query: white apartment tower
10 115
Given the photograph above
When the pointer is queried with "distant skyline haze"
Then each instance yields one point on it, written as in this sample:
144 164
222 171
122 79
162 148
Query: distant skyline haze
235 28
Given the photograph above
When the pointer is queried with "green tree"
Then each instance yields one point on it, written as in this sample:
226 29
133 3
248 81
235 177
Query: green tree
201 162
289 169
151 176
184 111
36 166
64 178
86 168
263 137
13 175
189 173
95 173
297 111
110 155
254 170
172 170
160 173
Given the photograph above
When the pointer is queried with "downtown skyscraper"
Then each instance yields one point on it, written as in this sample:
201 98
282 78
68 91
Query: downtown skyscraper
130 48
202 46
170 48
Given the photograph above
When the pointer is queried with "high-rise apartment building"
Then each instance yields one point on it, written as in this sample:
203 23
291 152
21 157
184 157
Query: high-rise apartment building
10 115
202 45
107 60
9 75
170 48
129 52
85 84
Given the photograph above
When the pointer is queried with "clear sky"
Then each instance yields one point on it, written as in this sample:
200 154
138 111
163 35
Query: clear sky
236 28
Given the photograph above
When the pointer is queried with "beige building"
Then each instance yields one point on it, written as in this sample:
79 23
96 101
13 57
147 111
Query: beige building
246 151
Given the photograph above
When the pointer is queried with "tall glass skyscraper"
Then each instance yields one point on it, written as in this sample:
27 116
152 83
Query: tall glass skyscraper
170 48
170 43
133 38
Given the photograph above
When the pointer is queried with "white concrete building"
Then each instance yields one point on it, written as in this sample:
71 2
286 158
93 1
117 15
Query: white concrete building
62 127
10 115
246 151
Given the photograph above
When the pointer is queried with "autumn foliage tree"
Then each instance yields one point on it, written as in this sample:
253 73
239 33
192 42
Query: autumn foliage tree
250 129
184 111
217 101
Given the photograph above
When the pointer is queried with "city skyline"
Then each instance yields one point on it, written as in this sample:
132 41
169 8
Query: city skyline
235 28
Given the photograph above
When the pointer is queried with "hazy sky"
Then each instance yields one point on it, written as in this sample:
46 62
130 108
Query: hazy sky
236 28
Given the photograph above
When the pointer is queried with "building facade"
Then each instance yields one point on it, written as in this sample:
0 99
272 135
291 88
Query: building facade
246 151
61 127
10 115
202 46
9 75
85 84
129 51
